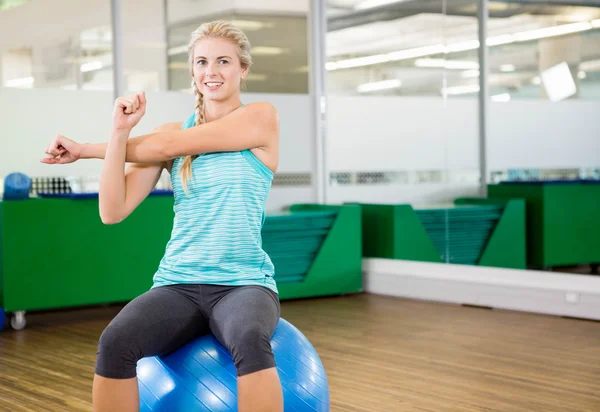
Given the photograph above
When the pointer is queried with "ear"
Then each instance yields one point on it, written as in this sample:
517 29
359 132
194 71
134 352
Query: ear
245 72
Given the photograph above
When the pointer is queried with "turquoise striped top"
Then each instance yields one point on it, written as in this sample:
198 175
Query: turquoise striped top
216 236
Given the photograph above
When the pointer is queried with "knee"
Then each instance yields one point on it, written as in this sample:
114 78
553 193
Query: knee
117 353
251 349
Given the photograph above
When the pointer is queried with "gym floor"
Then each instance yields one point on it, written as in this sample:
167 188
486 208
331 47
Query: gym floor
381 354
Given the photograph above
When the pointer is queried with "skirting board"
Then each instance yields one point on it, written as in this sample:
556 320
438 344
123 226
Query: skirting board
551 293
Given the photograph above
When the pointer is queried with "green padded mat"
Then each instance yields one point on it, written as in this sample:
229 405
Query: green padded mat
460 232
293 239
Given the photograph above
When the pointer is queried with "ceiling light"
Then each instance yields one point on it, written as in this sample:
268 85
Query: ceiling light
590 65
357 62
500 40
507 68
250 24
267 51
177 50
369 4
447 64
416 52
463 46
469 74
503 98
552 31
23 81
457 90
179 66
381 85
91 66
256 77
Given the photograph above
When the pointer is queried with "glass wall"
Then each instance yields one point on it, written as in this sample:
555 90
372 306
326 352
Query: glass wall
544 81
63 53
397 129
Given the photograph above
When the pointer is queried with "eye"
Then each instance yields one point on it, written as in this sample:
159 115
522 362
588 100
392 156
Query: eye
223 61
201 61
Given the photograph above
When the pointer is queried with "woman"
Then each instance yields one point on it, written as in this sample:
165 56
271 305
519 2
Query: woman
214 276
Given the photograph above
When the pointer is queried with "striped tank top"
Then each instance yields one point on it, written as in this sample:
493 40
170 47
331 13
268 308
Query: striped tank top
216 236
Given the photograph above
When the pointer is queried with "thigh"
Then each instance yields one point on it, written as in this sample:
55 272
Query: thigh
245 314
158 322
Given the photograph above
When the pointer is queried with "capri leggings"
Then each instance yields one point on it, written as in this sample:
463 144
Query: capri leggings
242 318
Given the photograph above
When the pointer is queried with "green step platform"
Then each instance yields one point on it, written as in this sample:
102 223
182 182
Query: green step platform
469 232
563 220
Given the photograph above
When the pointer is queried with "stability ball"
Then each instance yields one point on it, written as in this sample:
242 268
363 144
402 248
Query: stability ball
201 376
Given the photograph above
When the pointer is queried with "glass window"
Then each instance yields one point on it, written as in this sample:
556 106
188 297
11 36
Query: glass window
75 54
403 83
545 52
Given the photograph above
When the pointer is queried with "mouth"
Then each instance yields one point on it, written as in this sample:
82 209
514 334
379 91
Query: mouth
213 85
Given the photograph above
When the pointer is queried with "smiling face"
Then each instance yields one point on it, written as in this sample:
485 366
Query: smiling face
217 69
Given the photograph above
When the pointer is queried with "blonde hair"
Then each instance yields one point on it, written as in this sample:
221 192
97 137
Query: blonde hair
219 29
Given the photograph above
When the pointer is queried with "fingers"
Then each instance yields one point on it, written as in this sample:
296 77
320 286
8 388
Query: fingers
55 148
142 100
130 104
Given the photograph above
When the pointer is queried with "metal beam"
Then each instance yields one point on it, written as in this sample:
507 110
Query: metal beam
117 48
318 58
482 18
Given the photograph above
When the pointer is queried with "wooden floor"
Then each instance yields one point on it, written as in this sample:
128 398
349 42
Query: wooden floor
381 354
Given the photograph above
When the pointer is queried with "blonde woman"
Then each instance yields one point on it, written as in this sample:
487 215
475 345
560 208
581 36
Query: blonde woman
214 276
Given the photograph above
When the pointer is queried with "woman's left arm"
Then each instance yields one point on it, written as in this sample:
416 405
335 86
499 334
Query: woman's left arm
255 125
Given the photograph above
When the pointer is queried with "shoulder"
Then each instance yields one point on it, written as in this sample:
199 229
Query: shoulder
262 108
264 113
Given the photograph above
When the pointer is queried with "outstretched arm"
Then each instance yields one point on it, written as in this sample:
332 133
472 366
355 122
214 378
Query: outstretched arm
98 150
253 126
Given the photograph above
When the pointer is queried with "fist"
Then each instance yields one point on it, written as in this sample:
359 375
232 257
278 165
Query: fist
128 111
61 150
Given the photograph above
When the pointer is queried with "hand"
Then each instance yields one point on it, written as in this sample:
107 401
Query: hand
128 111
61 151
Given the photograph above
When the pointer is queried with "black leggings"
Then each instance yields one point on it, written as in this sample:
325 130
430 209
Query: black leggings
242 318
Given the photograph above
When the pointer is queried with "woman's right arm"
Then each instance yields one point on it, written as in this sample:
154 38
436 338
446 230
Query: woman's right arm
121 194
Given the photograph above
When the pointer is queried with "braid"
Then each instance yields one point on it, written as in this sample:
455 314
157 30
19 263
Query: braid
186 166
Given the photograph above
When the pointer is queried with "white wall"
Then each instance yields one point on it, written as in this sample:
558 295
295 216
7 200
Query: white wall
541 134
395 133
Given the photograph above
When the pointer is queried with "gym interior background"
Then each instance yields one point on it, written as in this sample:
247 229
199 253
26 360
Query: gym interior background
447 195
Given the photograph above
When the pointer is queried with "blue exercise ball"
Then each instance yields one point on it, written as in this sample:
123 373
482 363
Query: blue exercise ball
201 376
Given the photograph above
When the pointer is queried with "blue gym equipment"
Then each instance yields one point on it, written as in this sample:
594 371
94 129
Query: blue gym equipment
17 186
201 376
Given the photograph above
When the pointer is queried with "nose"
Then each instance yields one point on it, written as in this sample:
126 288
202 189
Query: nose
212 70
